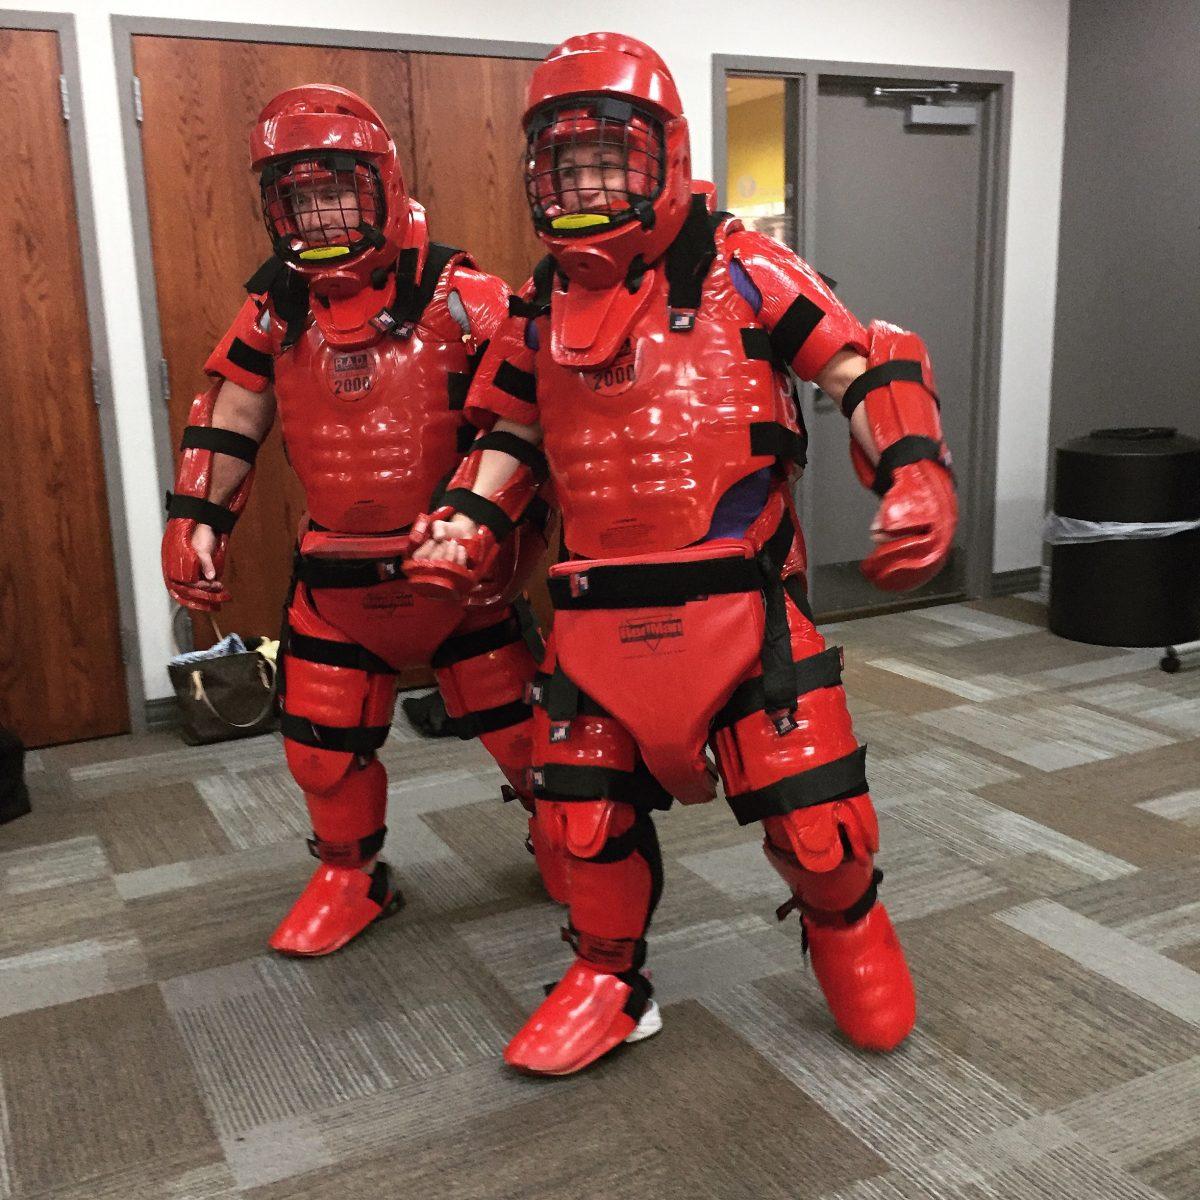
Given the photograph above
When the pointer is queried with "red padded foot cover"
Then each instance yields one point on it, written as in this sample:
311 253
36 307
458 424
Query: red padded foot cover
338 904
863 973
587 1014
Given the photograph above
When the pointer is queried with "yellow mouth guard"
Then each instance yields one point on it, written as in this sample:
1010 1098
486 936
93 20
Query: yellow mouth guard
579 221
317 253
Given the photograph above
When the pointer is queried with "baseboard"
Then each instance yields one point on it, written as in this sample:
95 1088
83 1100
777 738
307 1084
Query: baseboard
162 713
1026 579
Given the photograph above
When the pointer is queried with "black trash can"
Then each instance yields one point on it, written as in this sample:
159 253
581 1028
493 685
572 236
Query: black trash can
1128 591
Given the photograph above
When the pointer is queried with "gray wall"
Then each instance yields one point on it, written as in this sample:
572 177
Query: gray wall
1128 307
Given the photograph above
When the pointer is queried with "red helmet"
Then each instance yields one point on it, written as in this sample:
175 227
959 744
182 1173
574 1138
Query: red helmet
333 195
608 171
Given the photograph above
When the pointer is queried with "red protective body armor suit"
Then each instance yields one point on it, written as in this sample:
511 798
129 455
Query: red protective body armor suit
665 424
641 449
371 430
368 430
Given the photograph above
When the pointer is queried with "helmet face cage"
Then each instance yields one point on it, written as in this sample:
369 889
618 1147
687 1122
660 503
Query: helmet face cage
321 207
592 164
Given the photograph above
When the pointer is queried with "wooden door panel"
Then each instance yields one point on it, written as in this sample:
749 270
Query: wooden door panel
61 675
468 149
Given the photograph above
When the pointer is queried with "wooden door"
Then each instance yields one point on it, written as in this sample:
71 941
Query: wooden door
456 125
61 675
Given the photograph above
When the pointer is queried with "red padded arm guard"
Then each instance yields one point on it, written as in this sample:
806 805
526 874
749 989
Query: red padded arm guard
189 506
495 515
913 475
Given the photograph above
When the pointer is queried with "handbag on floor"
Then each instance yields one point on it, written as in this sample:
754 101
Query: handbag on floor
227 691
14 795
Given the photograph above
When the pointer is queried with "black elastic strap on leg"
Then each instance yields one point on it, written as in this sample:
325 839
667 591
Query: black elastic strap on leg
613 955
810 674
348 854
361 739
846 916
336 654
488 720
563 782
837 780
465 646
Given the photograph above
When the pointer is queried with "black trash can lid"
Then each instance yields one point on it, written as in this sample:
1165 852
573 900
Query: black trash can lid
1157 440
1145 473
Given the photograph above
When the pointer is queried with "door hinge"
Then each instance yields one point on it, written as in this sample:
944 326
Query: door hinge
65 97
96 386
164 379
138 111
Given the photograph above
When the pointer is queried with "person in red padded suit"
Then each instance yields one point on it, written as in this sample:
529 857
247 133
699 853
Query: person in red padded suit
366 335
649 356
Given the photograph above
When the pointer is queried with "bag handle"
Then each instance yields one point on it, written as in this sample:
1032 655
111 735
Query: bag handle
265 666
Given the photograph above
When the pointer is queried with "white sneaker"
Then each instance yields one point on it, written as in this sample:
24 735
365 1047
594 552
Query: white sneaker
650 1023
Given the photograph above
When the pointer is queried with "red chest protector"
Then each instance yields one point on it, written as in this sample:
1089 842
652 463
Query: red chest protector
372 429
642 447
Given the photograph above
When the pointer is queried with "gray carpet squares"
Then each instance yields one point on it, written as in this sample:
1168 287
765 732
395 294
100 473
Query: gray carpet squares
1040 811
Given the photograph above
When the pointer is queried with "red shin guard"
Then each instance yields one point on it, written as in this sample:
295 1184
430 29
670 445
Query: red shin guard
855 954
602 1000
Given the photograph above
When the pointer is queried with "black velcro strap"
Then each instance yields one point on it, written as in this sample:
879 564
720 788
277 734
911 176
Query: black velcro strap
361 739
756 343
481 510
203 512
512 381
907 450
488 720
654 585
837 780
480 641
565 704
243 355
899 370
822 670
260 282
411 301
559 781
866 901
288 292
793 329
348 854
458 384
690 256
619 848
222 441
347 572
518 448
336 654
776 440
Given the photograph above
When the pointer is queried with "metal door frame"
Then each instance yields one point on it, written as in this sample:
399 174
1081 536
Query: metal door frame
979 530
63 25
124 30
